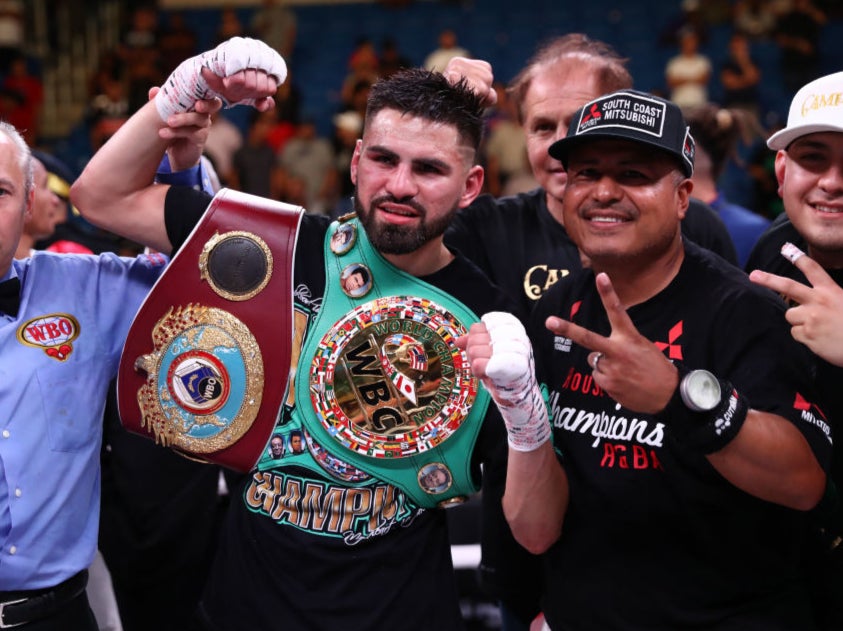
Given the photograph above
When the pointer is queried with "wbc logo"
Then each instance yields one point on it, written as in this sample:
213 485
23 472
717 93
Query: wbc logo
404 361
54 333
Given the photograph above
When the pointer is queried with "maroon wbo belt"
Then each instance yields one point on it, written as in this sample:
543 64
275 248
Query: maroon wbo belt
208 354
22 607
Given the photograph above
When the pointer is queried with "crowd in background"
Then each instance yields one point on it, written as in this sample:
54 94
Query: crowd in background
292 154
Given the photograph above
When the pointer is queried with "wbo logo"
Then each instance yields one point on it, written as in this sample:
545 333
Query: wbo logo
54 333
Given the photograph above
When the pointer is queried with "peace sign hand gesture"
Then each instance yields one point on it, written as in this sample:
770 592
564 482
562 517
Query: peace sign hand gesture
815 321
628 366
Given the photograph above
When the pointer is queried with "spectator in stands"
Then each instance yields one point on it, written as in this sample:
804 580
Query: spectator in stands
347 129
110 98
687 74
797 32
224 139
12 32
741 76
391 58
229 25
141 55
280 132
363 69
754 18
689 18
253 164
275 23
717 132
448 49
178 41
26 92
288 101
309 158
106 87
357 98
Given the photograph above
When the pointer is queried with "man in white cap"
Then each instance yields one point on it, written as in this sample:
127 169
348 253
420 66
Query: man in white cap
809 168
686 447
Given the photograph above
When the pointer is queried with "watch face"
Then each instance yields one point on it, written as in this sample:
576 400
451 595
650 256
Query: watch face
700 390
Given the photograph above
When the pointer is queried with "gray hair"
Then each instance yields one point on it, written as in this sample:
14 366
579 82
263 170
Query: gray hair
572 49
24 158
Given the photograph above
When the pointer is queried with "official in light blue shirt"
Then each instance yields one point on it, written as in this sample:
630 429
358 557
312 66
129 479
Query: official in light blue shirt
57 357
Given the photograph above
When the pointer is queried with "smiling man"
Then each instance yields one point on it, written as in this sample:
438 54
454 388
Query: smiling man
688 450
520 241
809 169
347 531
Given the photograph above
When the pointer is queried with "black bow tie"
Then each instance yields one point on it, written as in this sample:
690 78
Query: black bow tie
10 296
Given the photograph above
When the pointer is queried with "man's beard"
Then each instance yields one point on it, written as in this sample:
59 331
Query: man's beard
391 239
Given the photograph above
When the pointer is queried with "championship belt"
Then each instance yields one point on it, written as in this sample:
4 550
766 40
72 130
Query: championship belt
381 383
206 360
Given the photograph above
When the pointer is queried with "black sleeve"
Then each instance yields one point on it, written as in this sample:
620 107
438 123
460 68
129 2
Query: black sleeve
703 226
183 208
766 254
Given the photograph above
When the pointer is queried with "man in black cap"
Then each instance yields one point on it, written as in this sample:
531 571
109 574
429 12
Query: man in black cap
685 445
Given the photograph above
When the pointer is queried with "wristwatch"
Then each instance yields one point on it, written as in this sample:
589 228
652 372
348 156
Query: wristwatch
700 390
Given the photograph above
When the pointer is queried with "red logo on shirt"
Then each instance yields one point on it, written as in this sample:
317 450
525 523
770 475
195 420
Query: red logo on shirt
812 414
54 333
674 350
800 403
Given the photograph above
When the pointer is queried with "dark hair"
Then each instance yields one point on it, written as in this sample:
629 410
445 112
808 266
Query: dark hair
429 95
607 64
717 132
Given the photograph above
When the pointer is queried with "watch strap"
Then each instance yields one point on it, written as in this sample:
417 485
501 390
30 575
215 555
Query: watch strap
709 431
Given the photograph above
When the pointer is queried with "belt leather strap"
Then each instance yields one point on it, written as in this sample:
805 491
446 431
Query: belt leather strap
19 608
205 363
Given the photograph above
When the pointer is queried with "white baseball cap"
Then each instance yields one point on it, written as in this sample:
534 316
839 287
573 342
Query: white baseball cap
818 106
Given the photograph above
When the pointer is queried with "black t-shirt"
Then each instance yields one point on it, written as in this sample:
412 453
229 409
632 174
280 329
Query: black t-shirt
307 551
654 537
524 250
766 256
799 24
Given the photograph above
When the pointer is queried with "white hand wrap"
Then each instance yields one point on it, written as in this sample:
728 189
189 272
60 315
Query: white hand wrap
186 85
512 377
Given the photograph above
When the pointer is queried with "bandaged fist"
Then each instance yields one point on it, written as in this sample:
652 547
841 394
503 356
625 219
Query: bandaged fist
186 84
818 305
500 353
477 73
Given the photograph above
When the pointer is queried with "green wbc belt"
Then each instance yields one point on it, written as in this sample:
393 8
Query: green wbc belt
387 389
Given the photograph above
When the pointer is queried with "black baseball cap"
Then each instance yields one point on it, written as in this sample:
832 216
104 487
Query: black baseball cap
60 177
631 115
